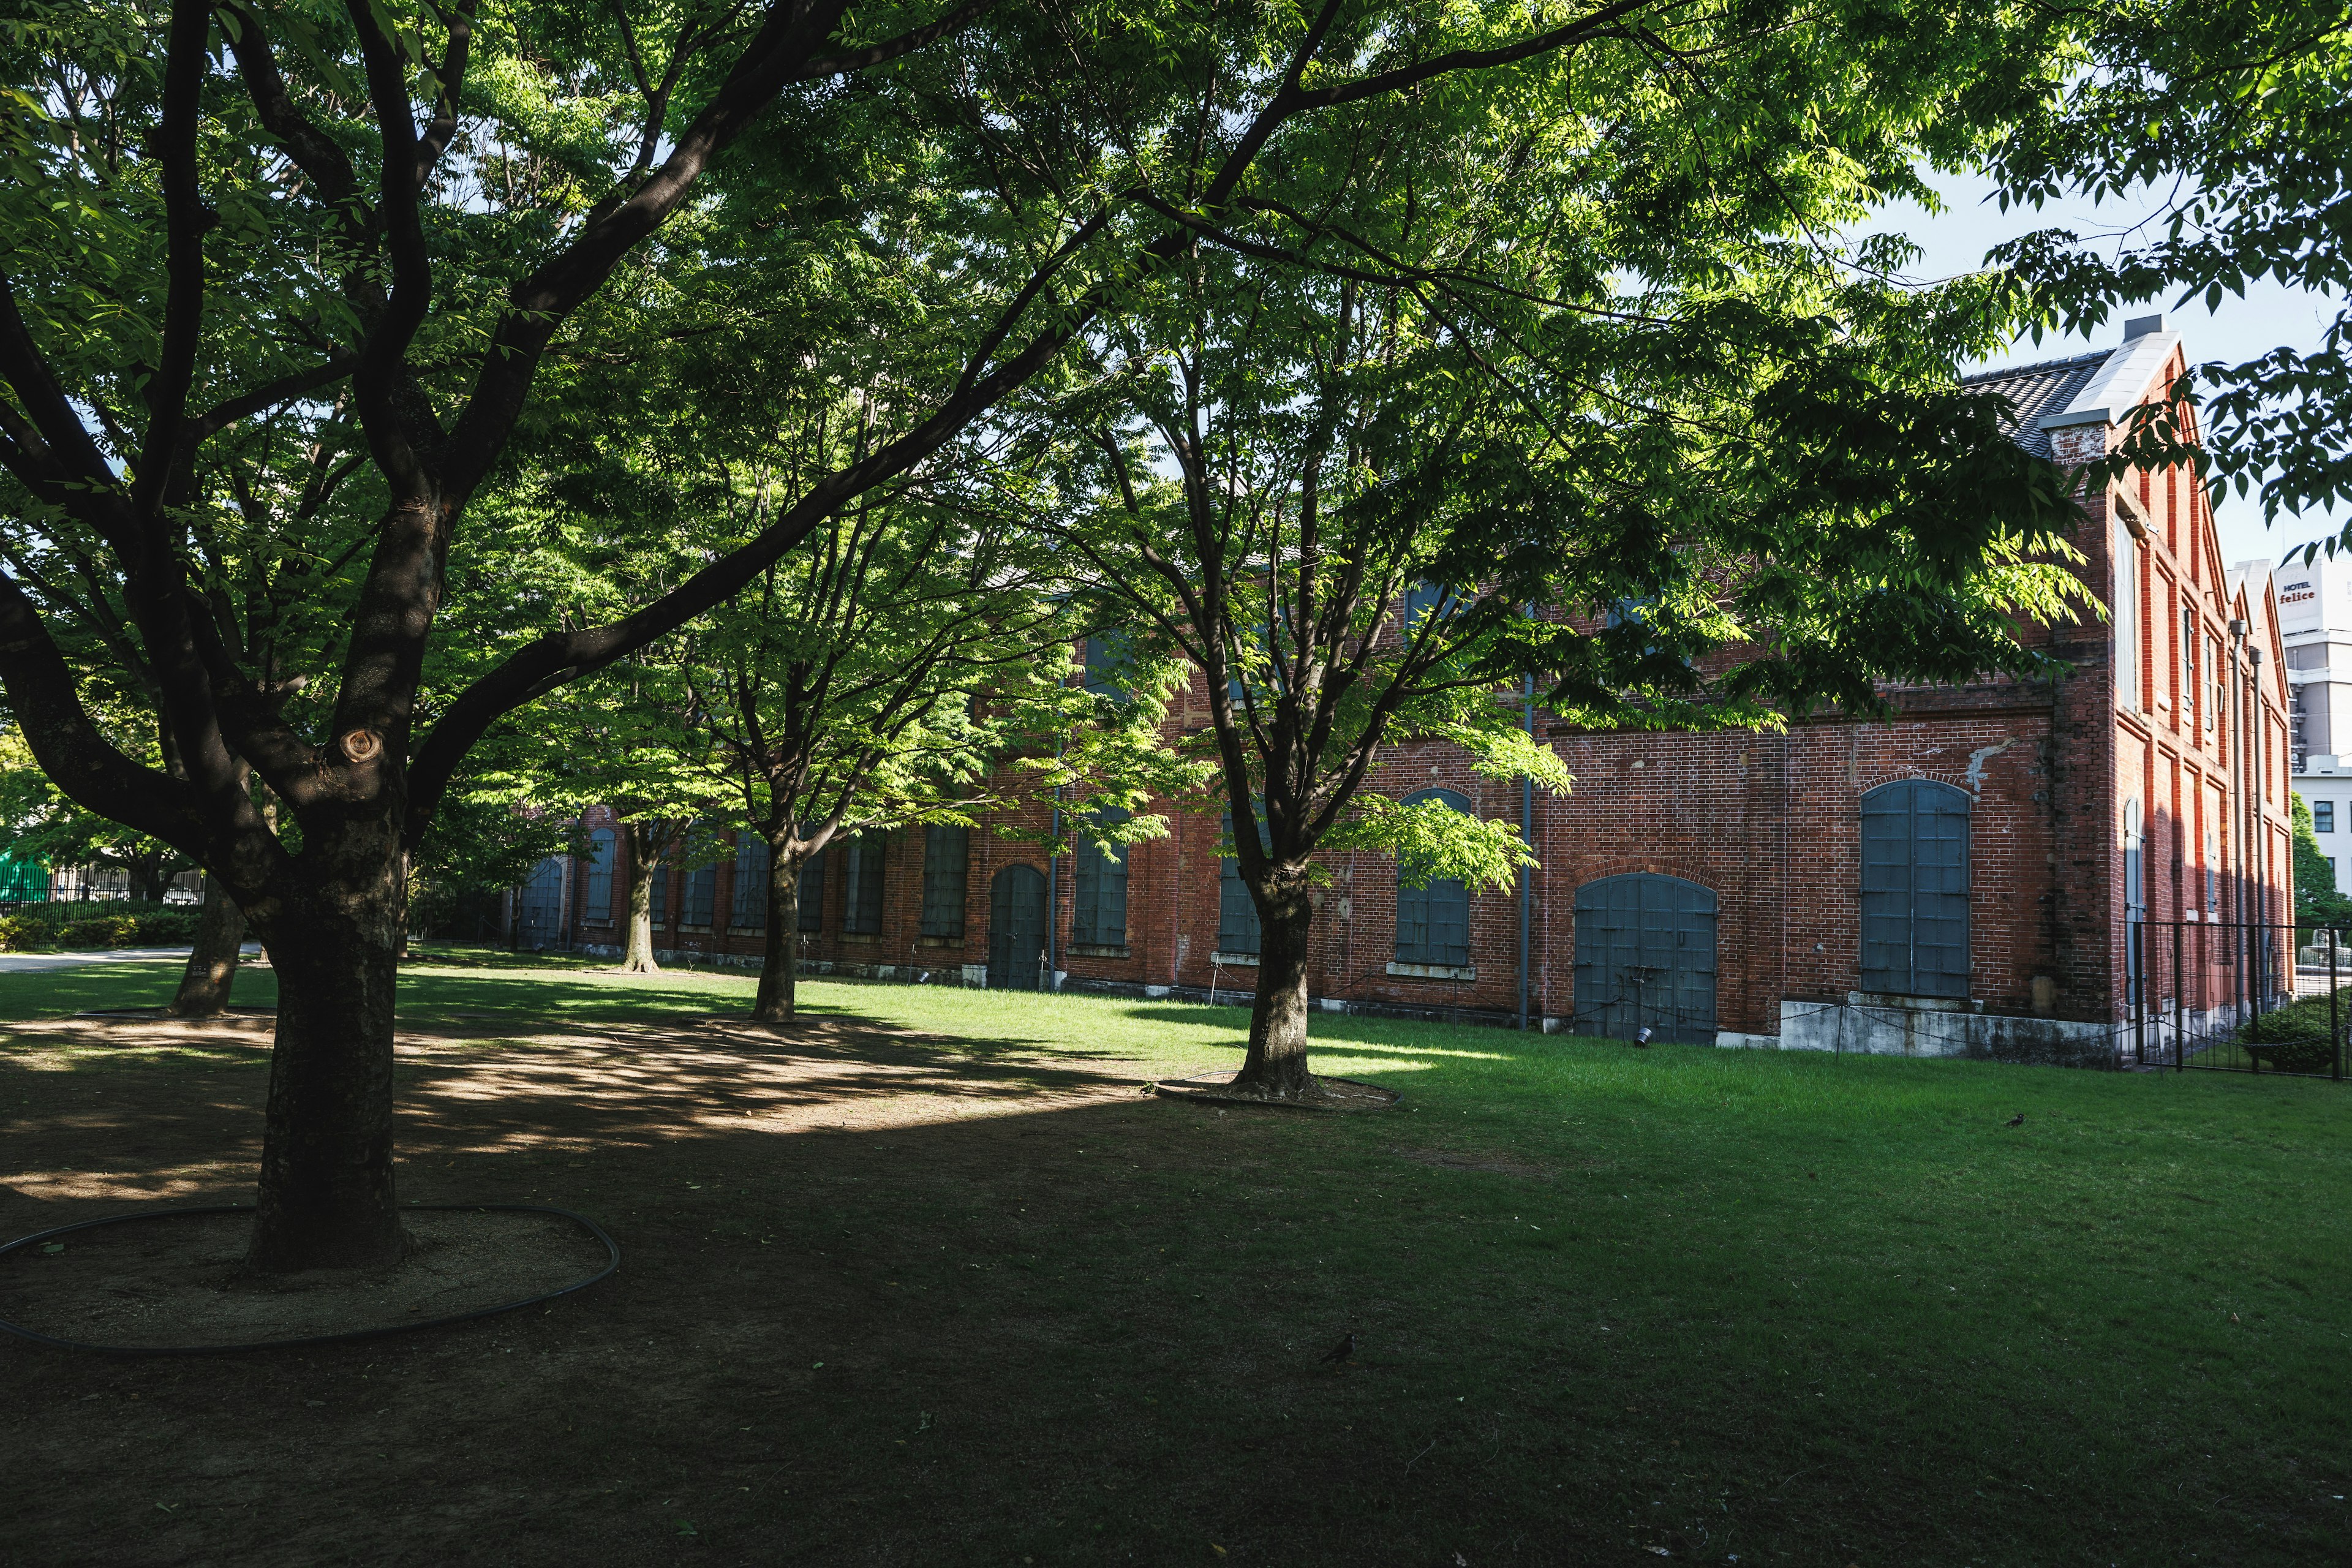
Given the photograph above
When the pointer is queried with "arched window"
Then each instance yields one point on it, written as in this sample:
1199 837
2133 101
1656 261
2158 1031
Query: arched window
947 850
751 912
596 897
1237 922
1914 889
1433 923
1100 917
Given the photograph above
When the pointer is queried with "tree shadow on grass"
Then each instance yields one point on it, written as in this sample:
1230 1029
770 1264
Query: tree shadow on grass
881 1299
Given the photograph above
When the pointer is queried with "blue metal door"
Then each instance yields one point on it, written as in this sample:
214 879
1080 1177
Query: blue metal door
1645 958
1016 930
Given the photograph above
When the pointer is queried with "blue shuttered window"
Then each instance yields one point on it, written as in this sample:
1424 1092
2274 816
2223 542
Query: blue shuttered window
751 912
1914 889
1433 922
1099 919
1237 919
1426 598
1107 659
597 897
862 910
947 854
812 892
701 896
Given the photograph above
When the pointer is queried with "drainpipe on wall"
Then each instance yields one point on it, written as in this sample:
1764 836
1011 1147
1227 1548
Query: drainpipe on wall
1052 881
1528 839
2253 754
2237 723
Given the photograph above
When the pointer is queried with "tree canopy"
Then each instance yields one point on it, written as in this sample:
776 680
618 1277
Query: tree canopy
2234 122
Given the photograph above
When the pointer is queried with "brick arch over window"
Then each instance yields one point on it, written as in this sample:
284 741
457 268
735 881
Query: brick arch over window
1433 923
1914 889
1878 778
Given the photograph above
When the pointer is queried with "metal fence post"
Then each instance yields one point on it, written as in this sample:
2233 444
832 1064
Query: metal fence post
2334 1027
2136 956
2179 999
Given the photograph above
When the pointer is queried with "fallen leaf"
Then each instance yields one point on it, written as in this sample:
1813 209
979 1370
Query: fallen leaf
59 1247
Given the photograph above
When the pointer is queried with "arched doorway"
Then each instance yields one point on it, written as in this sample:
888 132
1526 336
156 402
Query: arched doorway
1645 958
1016 930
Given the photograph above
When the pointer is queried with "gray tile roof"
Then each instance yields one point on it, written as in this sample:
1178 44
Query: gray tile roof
2034 390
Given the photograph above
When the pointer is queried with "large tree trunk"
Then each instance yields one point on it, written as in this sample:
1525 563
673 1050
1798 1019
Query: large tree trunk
1276 1063
326 1157
779 967
146 875
212 967
637 957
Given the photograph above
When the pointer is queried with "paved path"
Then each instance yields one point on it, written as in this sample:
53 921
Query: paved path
23 963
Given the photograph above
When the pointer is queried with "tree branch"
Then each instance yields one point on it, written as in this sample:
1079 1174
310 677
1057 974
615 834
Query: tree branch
185 221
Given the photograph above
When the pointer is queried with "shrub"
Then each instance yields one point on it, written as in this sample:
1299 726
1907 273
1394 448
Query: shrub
39 928
2297 1034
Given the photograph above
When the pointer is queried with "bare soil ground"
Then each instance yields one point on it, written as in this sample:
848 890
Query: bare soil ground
180 1280
818 1223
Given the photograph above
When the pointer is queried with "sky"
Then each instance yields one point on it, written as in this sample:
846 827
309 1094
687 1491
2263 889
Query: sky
1955 241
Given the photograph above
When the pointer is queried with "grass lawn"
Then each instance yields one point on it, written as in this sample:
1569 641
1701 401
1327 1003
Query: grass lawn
928 1281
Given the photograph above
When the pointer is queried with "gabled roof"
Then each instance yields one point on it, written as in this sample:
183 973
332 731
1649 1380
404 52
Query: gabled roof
2098 388
2035 390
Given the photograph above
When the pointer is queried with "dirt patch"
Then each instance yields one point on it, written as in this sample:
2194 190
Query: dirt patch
182 1281
1457 1159
1322 1093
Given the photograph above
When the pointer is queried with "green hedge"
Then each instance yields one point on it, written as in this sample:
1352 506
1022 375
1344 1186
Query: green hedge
2297 1032
46 928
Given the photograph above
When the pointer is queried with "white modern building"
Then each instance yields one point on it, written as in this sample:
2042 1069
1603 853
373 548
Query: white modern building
2316 627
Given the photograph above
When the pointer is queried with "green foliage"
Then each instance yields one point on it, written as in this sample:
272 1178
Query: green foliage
2316 900
51 928
40 825
1564 336
2238 120
2298 1034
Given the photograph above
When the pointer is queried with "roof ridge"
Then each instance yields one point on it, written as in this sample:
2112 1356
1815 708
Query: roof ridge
2006 371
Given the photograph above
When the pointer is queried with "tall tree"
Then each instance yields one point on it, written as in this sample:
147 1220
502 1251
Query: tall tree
410 209
1575 348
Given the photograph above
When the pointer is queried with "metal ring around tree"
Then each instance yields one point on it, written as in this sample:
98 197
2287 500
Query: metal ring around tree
613 1262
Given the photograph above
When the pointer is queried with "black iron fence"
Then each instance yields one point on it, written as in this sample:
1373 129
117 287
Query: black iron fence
2236 996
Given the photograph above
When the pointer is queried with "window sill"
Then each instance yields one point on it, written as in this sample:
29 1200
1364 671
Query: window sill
694 930
1099 949
1436 971
861 938
1234 960
955 941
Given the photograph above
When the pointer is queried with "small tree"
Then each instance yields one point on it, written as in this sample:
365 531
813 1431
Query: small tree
1398 396
2316 900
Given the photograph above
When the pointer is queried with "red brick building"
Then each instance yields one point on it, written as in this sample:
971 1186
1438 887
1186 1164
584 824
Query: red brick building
1955 880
